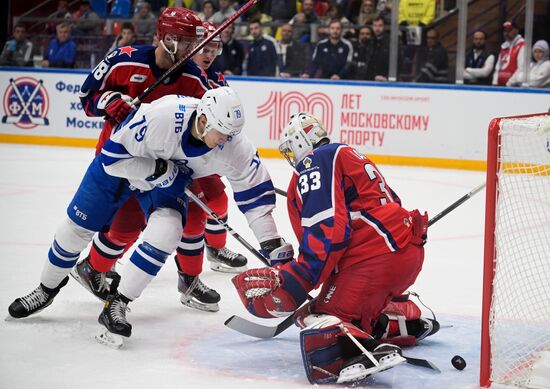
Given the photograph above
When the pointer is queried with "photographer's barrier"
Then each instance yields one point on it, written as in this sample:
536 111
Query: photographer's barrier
394 123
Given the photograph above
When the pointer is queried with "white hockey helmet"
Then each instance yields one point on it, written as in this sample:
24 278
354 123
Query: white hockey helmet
223 110
303 132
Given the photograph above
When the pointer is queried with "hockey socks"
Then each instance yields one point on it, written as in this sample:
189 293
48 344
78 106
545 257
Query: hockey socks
104 252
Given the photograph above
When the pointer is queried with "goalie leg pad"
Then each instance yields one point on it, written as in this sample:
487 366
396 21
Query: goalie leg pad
322 354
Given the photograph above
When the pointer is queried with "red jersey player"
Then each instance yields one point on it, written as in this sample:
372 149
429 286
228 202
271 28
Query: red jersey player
108 91
359 243
210 189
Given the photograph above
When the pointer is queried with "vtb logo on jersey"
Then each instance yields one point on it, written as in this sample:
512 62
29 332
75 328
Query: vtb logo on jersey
26 103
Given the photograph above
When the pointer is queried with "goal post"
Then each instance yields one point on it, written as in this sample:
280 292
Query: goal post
515 329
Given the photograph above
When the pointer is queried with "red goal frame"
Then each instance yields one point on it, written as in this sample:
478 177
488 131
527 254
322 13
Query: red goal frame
493 154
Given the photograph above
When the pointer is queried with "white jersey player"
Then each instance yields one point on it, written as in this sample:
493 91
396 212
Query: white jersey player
155 152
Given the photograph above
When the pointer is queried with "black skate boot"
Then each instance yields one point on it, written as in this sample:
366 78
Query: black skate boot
225 260
195 294
113 316
35 301
360 367
96 282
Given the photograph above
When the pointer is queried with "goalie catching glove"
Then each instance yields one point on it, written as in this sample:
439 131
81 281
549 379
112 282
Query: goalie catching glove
270 292
117 106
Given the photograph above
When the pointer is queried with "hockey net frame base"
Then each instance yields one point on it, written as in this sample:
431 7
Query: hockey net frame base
515 333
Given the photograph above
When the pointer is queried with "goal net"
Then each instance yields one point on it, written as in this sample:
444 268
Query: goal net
516 291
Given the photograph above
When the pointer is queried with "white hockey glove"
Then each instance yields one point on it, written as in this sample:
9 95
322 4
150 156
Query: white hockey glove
165 173
277 251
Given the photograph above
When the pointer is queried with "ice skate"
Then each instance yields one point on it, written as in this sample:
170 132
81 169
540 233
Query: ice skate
99 284
113 318
35 301
225 260
360 367
197 295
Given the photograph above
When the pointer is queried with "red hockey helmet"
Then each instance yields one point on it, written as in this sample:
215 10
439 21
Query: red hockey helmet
215 45
178 30
179 21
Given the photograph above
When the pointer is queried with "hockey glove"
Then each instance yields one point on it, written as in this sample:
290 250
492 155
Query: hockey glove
165 174
277 251
116 105
269 292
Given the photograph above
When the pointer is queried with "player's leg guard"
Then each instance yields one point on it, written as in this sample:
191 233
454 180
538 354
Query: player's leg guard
70 240
159 239
402 323
331 353
124 231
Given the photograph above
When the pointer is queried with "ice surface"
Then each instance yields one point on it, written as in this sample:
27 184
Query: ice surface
173 346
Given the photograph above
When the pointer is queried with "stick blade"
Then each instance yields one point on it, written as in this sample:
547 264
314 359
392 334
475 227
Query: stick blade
249 328
422 363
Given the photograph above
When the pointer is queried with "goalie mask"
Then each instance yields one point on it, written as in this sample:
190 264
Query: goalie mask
302 134
178 31
223 110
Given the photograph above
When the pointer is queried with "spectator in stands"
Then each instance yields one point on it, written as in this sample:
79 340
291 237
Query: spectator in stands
266 21
539 69
303 21
510 58
17 51
332 56
85 20
294 55
416 12
361 67
144 21
380 59
368 13
207 12
61 51
334 12
62 12
226 11
230 61
280 10
432 60
127 36
263 52
478 63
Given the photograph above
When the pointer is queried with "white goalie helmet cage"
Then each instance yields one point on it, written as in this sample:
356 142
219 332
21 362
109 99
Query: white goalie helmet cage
223 110
303 132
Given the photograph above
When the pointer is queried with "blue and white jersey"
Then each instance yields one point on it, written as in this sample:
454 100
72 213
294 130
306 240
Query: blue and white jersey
162 130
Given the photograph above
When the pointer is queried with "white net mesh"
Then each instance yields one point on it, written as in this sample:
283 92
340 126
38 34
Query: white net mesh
520 311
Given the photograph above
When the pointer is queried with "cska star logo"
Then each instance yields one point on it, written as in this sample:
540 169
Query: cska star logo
128 50
26 103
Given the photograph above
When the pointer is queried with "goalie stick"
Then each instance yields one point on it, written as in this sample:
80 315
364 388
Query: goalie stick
195 50
260 331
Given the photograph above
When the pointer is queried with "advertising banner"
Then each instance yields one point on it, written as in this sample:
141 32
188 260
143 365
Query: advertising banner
399 120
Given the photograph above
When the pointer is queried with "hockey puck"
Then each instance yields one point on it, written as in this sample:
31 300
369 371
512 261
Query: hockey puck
458 362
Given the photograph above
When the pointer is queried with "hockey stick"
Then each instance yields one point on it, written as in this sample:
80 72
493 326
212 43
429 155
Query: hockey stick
195 50
222 223
280 192
260 331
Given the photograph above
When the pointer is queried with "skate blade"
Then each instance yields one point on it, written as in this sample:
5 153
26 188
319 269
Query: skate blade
358 372
10 318
219 267
109 339
192 303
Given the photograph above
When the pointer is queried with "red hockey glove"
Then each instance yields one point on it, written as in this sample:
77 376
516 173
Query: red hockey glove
116 105
269 292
